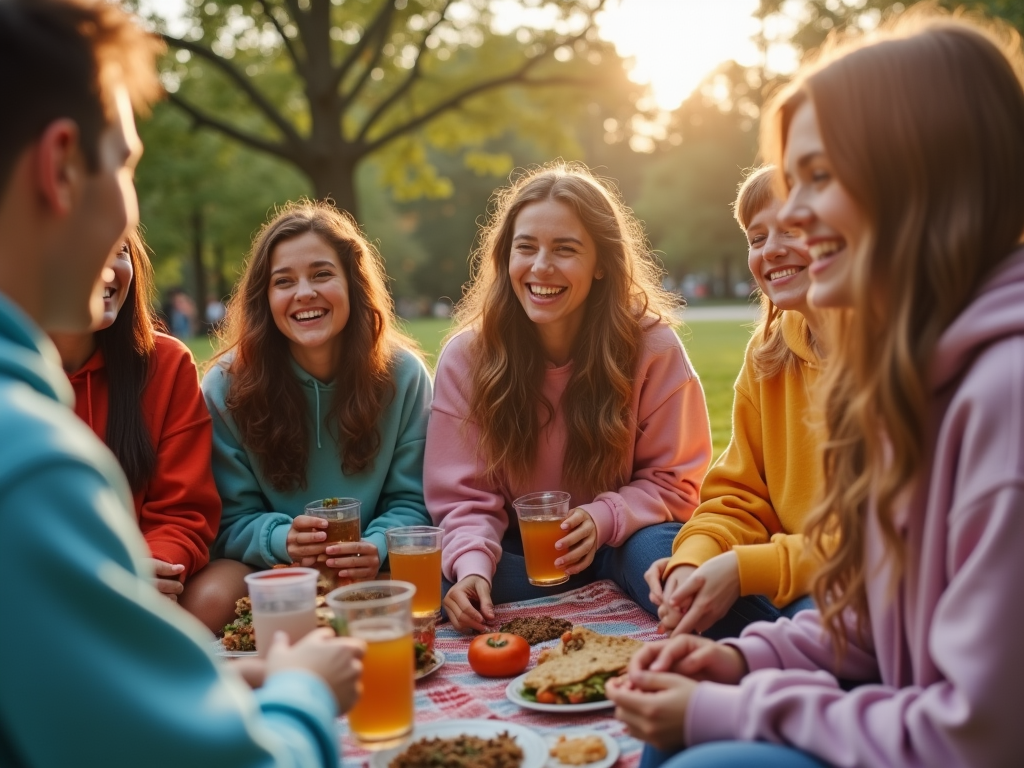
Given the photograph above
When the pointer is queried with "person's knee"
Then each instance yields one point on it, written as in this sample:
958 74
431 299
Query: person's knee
210 594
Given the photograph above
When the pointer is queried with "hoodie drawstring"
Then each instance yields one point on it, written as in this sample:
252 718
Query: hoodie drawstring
88 394
316 386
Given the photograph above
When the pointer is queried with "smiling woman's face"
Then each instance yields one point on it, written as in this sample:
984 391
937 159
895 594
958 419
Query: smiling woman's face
115 291
308 293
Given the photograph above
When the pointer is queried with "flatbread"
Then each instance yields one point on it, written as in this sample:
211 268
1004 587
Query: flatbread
588 653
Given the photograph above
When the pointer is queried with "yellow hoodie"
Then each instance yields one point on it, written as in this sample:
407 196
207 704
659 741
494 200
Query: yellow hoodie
756 497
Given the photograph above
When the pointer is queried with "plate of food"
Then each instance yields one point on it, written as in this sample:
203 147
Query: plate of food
502 745
428 662
592 749
570 677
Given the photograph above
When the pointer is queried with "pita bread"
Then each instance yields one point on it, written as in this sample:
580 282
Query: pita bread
587 654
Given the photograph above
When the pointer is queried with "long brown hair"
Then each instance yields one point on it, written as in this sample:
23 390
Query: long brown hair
264 398
509 370
127 346
923 128
772 355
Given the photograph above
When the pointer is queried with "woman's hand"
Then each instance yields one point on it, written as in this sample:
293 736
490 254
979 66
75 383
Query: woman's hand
707 595
336 660
252 670
653 577
306 539
668 614
653 706
468 605
581 542
355 560
167 581
695 657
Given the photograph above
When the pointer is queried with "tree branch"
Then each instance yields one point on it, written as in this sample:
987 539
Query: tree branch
406 84
515 78
379 25
201 119
300 65
243 82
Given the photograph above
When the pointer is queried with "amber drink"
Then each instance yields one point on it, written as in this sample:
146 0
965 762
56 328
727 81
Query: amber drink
282 600
380 612
343 525
540 519
414 553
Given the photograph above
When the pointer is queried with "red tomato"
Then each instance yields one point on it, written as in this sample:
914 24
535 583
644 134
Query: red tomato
498 655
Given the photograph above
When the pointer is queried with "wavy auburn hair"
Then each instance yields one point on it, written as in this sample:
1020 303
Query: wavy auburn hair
264 398
923 126
509 370
127 346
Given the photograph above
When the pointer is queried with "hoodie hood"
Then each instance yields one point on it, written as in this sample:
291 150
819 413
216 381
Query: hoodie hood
996 312
28 355
81 382
797 336
315 390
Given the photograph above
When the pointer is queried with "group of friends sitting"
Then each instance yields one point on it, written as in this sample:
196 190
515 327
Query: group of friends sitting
834 590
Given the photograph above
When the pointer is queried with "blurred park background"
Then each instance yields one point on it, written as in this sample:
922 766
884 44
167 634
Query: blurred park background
409 113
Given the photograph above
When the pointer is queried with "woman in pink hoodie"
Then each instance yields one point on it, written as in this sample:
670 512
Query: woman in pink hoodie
563 374
905 167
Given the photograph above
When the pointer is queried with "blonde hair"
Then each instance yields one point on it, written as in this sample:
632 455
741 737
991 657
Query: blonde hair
772 355
922 125
509 370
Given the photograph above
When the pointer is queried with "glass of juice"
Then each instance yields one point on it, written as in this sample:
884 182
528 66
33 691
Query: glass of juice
343 521
380 612
540 520
414 553
282 599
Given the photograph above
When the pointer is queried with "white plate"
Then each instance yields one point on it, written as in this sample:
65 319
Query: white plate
220 650
439 656
535 751
513 692
609 744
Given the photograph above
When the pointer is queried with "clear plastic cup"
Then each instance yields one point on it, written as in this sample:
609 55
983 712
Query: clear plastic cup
282 599
343 516
540 524
414 553
380 612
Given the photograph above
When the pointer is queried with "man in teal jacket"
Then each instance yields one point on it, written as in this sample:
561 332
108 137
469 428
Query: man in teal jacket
96 667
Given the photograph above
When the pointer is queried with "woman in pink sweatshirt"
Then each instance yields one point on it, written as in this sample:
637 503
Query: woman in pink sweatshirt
905 167
562 374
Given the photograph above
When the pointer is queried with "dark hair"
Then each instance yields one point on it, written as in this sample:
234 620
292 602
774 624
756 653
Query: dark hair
127 346
264 398
68 54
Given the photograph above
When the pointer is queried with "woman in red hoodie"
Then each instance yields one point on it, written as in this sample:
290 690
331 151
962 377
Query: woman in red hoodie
139 392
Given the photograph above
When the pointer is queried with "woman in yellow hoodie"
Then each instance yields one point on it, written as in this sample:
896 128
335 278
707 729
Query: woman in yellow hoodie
741 557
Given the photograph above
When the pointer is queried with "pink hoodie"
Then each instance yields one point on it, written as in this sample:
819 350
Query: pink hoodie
946 646
669 458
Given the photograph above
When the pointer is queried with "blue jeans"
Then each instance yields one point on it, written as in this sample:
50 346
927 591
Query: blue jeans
753 608
625 565
731 754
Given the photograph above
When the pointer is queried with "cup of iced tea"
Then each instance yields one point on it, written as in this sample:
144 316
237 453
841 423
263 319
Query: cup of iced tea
282 599
414 552
343 521
380 612
540 524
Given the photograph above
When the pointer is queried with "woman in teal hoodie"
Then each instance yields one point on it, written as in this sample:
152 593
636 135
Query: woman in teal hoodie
315 393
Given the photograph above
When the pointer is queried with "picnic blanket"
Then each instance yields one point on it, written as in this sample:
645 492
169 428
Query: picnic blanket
456 692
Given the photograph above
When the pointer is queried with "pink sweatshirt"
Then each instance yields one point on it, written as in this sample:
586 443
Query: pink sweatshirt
669 457
945 648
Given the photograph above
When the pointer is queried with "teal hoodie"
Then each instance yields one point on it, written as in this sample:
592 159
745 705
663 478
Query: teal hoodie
257 517
96 667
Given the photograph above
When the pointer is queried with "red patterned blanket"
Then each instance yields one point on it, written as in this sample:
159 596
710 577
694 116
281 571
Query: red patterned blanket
456 692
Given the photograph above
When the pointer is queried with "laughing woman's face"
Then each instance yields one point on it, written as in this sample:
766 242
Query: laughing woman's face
115 291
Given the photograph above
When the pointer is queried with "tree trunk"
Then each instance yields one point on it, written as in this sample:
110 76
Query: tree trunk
223 289
197 257
336 179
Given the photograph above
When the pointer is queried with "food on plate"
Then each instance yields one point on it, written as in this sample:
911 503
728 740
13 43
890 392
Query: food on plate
579 751
537 629
461 752
239 635
498 654
575 671
423 642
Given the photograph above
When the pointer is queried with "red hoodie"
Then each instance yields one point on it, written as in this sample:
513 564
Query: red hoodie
179 509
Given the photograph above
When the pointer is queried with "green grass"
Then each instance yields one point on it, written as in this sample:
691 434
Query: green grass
715 348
